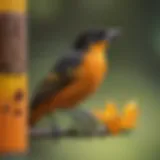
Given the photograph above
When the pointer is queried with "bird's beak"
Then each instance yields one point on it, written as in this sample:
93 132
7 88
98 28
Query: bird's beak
112 34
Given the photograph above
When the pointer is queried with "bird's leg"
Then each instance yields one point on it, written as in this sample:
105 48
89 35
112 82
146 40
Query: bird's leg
53 121
85 120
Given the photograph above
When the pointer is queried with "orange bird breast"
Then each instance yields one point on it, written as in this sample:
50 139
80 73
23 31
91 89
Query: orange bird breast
89 76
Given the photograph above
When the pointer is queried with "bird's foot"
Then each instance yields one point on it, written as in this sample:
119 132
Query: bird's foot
84 120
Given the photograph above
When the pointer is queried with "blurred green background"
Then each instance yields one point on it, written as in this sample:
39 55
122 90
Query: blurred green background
134 71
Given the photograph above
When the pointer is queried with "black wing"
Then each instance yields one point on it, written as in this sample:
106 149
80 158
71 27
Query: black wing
58 78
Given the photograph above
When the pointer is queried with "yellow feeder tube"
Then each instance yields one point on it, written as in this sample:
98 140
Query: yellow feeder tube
13 77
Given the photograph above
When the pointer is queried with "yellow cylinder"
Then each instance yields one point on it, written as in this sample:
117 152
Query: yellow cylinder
13 77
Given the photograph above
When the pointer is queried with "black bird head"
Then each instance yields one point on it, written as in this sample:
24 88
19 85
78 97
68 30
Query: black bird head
85 39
